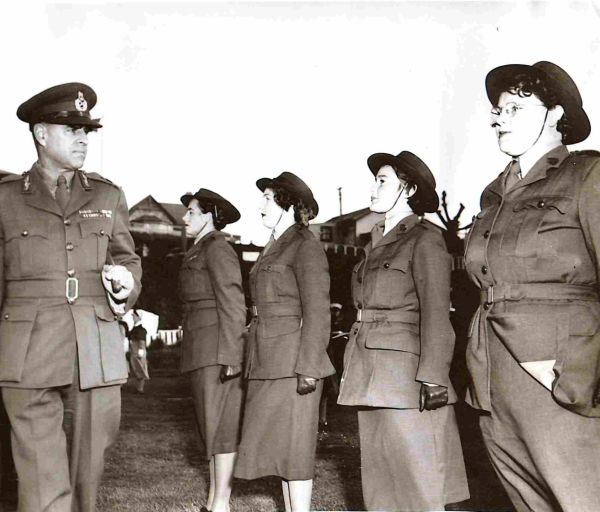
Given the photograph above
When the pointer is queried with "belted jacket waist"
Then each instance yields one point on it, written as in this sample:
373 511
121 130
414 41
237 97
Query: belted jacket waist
536 291
275 310
387 315
87 286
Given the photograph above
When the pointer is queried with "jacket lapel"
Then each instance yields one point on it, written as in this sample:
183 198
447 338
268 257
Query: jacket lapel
37 194
79 196
280 243
539 171
398 231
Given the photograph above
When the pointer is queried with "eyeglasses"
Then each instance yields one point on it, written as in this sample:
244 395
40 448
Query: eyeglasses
511 109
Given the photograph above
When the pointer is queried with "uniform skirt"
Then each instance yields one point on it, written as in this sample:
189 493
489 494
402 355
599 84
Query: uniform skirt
411 460
279 435
218 408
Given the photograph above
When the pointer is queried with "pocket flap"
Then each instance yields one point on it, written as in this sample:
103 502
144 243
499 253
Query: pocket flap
396 337
19 313
98 227
25 228
558 203
103 312
275 268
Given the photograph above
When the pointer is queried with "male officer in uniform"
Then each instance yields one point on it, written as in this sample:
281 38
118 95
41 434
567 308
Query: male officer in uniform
67 265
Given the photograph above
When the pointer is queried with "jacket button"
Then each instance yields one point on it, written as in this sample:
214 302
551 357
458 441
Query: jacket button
25 233
484 270
386 265
71 273
359 279
69 246
541 203
102 232
486 234
359 305
486 305
6 316
67 222
402 228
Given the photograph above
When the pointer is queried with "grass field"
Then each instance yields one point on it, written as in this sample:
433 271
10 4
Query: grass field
157 465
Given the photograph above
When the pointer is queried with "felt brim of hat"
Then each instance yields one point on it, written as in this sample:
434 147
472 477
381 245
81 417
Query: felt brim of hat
230 212
264 183
428 197
579 123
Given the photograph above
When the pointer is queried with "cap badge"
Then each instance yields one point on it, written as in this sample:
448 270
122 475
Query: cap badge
80 103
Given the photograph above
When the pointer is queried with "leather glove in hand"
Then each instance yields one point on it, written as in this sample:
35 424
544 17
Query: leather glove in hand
432 397
306 384
230 371
118 281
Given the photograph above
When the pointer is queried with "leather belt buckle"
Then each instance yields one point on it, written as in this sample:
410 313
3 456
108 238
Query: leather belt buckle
72 289
490 298
359 315
254 311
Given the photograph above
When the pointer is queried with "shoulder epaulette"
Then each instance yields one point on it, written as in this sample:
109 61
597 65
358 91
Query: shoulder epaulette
427 224
97 177
586 152
13 177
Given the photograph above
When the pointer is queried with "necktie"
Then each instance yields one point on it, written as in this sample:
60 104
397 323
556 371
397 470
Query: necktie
269 244
513 177
62 192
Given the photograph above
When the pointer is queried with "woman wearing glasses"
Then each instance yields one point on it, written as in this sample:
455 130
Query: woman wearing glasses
534 250
212 348
398 357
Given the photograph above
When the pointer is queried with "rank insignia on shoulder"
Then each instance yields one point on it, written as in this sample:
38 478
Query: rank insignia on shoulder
26 183
95 214
84 180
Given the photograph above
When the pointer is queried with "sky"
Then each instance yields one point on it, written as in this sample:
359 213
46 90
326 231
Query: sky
219 94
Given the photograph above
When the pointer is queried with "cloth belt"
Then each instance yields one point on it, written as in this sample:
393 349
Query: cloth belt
200 304
42 289
387 315
272 310
539 291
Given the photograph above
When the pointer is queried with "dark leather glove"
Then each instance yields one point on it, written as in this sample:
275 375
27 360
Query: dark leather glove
230 371
432 397
306 384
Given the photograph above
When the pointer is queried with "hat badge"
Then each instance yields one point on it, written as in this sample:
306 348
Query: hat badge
81 103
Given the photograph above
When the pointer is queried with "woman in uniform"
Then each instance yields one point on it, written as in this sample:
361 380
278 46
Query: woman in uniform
137 352
212 347
398 357
287 357
534 251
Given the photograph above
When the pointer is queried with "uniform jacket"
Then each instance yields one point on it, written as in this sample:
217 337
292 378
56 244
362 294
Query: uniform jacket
537 245
401 291
39 249
210 284
290 292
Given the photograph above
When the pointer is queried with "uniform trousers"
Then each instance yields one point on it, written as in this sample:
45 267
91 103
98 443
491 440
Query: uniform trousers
547 458
410 461
59 436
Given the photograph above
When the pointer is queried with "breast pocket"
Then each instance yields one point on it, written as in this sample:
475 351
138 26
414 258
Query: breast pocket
270 283
27 247
93 245
391 278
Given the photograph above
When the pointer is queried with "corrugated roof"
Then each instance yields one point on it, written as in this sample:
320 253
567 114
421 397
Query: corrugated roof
174 211
358 214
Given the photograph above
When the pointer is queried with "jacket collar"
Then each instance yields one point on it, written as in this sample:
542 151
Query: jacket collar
278 245
551 160
398 231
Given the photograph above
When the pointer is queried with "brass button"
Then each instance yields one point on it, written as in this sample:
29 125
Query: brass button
67 222
69 246
359 279
6 316
71 301
486 234
70 273
486 305
359 305
541 203
25 233
102 232
386 265
484 270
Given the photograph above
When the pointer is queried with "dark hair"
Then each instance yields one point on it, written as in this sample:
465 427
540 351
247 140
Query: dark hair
302 212
415 202
527 84
219 220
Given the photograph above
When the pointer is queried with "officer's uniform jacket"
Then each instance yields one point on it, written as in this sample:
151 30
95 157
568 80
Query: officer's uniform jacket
533 251
210 284
289 333
53 301
403 335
